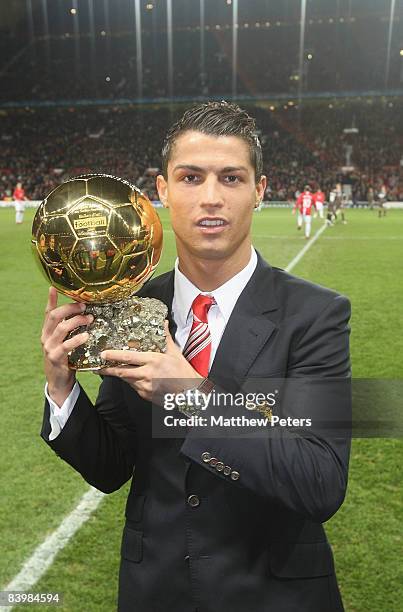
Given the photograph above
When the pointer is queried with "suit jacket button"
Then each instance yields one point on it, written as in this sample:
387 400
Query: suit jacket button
227 470
220 466
193 501
213 461
234 475
206 457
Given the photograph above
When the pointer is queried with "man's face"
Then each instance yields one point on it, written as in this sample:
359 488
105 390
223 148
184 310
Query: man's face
211 193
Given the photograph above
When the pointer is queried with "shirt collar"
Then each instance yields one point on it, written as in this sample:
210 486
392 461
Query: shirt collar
225 296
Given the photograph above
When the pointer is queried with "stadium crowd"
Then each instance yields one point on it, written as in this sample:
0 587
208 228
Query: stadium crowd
42 148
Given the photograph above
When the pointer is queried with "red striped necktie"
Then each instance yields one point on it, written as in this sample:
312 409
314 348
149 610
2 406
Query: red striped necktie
198 346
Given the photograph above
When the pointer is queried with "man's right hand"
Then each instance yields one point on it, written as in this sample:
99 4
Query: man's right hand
56 348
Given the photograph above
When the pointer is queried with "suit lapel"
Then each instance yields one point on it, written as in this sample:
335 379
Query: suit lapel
248 330
249 327
167 297
162 288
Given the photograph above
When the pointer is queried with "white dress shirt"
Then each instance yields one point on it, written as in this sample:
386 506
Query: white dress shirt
185 292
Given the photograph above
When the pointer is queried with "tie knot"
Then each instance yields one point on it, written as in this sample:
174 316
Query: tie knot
201 305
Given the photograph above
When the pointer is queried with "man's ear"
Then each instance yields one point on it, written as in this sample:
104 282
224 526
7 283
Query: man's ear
162 188
260 189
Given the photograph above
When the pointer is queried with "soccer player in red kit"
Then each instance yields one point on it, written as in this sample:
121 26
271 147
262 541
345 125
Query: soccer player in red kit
19 197
304 204
319 197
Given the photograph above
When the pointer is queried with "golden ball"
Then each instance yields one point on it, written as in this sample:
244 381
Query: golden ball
97 238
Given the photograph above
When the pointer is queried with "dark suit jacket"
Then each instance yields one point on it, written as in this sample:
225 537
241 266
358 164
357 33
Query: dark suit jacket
256 543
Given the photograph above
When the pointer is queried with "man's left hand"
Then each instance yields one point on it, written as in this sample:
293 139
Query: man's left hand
144 369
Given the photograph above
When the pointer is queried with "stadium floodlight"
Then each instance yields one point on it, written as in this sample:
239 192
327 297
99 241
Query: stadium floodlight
73 11
390 34
170 49
30 20
46 31
203 74
301 55
234 46
107 22
139 49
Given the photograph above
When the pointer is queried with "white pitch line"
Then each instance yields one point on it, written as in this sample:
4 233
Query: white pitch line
355 238
306 248
43 556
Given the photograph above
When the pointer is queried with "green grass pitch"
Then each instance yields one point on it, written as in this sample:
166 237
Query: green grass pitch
363 260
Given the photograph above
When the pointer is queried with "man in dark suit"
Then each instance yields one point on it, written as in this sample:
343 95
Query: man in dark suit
226 523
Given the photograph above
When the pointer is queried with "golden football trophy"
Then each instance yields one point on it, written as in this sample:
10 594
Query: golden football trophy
97 239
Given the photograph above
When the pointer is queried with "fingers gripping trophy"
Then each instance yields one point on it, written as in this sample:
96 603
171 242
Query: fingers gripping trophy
97 239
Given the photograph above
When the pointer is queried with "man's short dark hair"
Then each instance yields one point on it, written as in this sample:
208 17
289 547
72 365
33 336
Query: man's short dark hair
216 119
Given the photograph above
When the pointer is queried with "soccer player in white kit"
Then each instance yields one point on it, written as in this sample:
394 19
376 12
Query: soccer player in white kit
381 201
304 204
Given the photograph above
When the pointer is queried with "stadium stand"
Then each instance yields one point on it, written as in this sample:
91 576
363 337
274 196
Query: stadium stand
42 147
82 70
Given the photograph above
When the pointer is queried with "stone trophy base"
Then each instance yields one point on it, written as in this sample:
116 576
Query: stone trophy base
130 324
